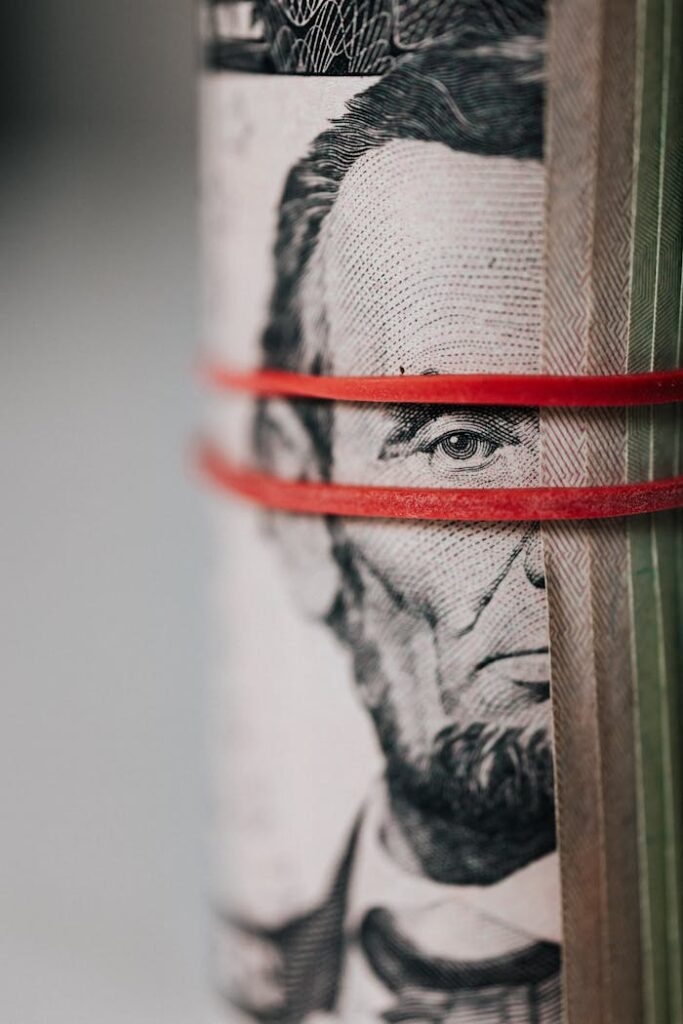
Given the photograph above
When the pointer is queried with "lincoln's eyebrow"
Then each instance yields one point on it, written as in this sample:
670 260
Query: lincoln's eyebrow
409 419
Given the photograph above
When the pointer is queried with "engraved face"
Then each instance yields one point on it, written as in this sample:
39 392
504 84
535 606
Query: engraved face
430 262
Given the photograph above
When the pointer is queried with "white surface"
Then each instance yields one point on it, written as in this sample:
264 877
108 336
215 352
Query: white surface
102 608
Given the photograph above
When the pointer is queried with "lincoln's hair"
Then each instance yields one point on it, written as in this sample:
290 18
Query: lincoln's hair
487 100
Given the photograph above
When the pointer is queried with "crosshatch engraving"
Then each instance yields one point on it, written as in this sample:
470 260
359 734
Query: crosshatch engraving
414 823
409 239
340 37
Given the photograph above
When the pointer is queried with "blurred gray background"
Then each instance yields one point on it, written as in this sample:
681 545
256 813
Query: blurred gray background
102 549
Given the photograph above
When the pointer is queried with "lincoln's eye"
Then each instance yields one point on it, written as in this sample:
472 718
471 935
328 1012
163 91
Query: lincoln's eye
454 448
465 446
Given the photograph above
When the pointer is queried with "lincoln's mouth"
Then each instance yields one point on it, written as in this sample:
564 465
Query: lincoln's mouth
527 669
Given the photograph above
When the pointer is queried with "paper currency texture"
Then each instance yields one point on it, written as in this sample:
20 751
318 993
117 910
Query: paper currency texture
379 198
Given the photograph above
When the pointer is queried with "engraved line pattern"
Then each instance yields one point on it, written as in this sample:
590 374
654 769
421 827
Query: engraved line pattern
351 37
588 248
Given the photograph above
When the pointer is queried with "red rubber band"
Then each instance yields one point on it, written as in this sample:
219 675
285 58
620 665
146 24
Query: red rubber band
499 504
654 388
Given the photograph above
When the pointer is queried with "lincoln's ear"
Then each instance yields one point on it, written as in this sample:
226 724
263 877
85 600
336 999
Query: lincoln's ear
304 542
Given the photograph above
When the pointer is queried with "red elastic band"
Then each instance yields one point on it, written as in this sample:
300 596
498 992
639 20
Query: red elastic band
459 388
495 504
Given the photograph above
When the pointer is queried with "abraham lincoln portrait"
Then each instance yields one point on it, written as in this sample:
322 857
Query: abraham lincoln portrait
410 240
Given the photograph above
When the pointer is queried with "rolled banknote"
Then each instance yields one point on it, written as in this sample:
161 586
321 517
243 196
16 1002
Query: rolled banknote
385 192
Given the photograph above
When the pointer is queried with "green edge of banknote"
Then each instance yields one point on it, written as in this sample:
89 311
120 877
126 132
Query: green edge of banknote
654 542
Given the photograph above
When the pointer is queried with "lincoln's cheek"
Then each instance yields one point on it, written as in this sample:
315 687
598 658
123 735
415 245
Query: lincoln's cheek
400 665
446 572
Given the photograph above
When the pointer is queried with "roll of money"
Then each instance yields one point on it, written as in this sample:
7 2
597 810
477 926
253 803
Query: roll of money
445 753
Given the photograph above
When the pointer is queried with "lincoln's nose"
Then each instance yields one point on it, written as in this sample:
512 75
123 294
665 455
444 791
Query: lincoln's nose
533 559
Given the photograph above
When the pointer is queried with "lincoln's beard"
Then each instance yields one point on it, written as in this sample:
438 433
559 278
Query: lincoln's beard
479 805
